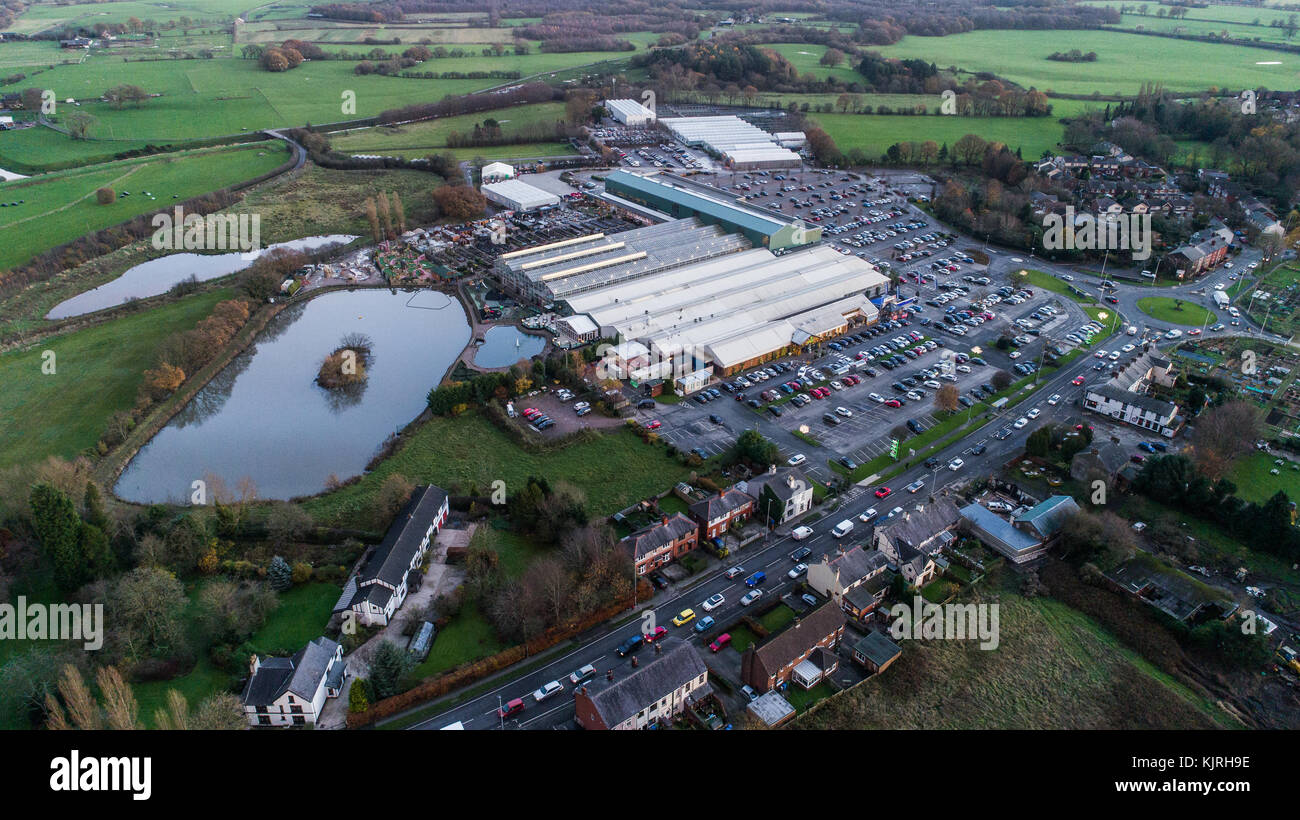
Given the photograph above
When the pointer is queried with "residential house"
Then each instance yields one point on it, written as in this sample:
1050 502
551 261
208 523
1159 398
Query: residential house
292 691
875 652
851 570
911 539
780 494
656 545
778 660
716 514
375 592
1102 462
641 696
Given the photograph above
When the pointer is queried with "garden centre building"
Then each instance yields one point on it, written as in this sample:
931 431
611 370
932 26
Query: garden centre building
680 197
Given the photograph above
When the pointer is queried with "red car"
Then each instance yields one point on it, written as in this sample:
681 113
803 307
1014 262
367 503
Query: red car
512 707
654 425
530 412
893 403
1077 380
659 632
883 492
722 640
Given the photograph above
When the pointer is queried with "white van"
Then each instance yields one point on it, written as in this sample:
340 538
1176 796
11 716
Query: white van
800 533
1132 330
842 529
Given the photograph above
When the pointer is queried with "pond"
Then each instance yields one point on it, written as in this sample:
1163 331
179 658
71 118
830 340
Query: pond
504 345
264 418
159 275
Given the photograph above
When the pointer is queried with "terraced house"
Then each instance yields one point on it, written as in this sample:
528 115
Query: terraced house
656 545
716 515
652 693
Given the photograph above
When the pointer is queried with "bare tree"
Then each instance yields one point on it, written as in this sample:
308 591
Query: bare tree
1224 434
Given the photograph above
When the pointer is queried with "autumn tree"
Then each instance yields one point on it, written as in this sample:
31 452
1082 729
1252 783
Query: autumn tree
460 202
105 196
1224 434
77 708
946 398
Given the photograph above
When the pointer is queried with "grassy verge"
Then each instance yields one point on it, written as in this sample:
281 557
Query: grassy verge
1175 311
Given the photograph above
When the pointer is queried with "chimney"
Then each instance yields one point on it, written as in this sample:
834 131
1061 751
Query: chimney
665 520
771 469
583 690
253 665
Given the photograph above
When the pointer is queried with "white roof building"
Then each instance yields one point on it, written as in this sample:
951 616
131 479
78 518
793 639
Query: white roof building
737 308
742 145
629 112
518 196
497 171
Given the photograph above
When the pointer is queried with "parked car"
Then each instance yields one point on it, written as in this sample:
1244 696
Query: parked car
797 571
659 632
808 599
720 642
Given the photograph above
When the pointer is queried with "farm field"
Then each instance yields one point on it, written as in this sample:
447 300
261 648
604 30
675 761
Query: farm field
1125 61
432 134
614 470
98 371
873 133
530 150
1054 668
64 204
927 103
45 16
805 57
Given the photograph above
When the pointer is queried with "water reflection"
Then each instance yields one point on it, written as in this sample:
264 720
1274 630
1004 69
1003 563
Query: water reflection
265 417
160 275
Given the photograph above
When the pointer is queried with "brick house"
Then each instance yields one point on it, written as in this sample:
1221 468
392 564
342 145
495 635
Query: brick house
715 515
775 662
656 545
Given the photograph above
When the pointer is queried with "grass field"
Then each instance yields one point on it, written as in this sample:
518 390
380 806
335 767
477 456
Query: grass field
432 134
1256 483
1124 61
874 133
45 16
98 371
614 471
1053 669
60 207
1175 311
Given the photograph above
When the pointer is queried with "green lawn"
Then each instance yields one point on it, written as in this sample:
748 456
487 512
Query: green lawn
97 372
468 637
1046 281
777 619
60 207
1175 311
1255 481
874 133
614 470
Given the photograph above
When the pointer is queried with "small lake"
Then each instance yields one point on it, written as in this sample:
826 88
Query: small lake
263 416
504 345
159 275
